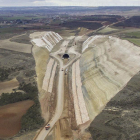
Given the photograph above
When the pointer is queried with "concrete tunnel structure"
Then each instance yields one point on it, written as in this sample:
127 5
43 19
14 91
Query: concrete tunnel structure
65 56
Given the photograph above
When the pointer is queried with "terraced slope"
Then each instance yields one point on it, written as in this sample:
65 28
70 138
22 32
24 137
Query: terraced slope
120 118
81 113
45 39
49 76
106 65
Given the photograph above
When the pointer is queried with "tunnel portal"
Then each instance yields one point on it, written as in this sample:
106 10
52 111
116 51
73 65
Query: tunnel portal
65 56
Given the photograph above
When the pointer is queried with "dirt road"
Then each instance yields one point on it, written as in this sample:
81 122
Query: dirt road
60 93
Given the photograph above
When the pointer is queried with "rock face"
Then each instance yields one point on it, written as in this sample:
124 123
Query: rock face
106 65
120 120
46 39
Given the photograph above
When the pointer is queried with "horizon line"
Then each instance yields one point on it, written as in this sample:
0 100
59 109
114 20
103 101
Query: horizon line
73 6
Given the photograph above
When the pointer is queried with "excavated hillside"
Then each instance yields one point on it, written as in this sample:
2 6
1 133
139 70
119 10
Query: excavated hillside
106 65
120 120
46 70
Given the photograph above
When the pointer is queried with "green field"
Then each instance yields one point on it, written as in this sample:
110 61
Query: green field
133 40
133 37
107 30
133 34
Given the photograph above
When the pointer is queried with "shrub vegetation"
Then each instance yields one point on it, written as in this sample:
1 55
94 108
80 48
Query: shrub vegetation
32 119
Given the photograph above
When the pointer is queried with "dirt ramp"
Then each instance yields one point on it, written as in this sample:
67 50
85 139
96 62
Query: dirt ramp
65 129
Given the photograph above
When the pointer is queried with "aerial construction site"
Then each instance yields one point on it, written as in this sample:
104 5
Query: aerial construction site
73 90
70 73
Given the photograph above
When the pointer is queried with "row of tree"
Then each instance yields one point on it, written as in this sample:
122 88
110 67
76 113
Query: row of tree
5 72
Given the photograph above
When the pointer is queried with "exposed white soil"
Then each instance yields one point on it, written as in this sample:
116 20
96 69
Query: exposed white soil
106 67
52 78
46 80
79 102
45 39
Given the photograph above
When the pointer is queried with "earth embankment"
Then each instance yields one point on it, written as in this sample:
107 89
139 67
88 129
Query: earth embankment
107 64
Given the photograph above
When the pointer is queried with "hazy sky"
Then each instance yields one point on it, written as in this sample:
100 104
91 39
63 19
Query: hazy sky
69 2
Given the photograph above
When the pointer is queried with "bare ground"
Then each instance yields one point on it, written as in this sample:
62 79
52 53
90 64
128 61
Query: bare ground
6 87
15 46
10 117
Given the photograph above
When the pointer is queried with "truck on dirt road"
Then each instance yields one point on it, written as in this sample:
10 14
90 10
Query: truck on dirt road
47 127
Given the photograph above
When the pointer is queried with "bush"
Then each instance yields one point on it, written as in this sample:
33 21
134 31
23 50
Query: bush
5 72
76 24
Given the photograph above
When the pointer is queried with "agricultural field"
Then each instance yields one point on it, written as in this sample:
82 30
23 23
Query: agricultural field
27 123
133 40
108 30
10 120
18 100
130 34
133 37
133 21
23 38
135 34
15 46
8 86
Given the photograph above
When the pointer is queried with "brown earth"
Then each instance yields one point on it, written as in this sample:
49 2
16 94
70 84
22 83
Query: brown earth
8 86
10 117
44 101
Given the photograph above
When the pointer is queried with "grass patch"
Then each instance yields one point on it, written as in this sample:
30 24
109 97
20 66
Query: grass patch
108 30
133 40
132 35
